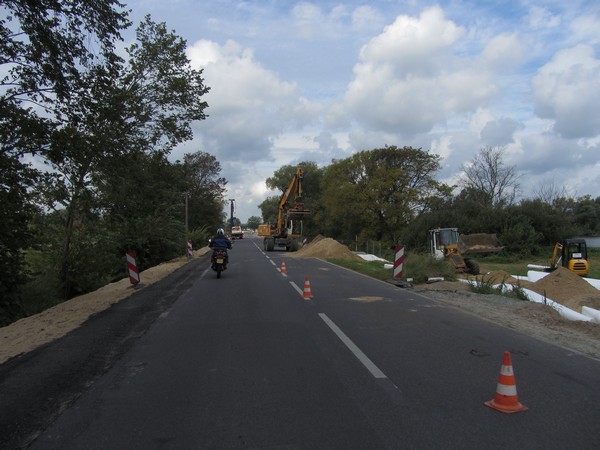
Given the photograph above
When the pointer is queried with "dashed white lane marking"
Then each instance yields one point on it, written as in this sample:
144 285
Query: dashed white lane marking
364 359
270 260
298 290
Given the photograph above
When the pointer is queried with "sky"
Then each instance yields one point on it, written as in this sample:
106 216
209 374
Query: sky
294 81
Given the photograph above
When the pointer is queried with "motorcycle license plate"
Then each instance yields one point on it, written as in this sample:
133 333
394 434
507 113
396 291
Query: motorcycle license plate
220 260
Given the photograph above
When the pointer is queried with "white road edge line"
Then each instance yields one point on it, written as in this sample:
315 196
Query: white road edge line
371 367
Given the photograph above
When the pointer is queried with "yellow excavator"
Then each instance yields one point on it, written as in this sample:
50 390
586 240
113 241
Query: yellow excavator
288 229
448 243
572 254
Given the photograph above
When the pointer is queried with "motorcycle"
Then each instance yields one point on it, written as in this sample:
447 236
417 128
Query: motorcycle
219 261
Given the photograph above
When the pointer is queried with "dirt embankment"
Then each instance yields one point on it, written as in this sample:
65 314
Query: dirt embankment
31 332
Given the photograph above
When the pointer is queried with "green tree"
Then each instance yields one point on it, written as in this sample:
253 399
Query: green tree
269 208
587 216
376 194
165 91
44 46
113 120
144 207
253 222
205 189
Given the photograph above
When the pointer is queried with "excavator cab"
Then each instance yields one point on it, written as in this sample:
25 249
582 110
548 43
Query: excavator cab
572 254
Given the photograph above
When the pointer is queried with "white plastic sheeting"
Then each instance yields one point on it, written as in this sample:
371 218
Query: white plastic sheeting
565 312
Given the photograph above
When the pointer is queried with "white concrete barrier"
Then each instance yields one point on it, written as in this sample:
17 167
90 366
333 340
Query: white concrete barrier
593 282
565 312
594 314
534 275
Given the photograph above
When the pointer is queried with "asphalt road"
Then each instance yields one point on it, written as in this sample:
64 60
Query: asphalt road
246 362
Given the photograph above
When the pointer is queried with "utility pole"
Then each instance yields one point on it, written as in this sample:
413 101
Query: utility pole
232 200
187 233
186 216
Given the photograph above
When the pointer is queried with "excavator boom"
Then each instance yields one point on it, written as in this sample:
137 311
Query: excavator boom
288 228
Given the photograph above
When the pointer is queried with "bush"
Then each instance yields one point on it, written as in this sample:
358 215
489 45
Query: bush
486 287
421 267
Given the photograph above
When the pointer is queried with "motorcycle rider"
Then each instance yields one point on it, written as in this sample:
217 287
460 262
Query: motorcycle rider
220 241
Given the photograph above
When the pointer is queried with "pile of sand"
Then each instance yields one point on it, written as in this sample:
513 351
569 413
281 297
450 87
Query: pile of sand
324 248
568 289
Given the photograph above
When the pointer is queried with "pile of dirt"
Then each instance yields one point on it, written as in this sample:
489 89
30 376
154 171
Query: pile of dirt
479 242
323 248
568 289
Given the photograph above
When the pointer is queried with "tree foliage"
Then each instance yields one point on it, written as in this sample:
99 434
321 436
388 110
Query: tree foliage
253 222
45 44
377 193
205 189
488 180
44 48
103 128
391 195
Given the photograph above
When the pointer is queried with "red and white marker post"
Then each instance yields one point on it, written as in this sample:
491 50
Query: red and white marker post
134 274
189 249
398 262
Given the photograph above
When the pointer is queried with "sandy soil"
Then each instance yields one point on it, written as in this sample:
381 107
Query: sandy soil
536 320
533 319
31 332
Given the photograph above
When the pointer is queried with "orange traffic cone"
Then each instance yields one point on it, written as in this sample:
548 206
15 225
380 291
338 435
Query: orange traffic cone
283 269
506 399
307 294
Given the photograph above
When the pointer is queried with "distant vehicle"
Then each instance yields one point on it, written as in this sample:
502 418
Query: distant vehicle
237 233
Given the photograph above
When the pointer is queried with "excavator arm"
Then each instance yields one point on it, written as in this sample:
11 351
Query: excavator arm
289 213
285 212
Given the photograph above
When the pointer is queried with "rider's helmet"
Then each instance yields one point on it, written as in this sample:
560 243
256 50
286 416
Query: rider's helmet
220 232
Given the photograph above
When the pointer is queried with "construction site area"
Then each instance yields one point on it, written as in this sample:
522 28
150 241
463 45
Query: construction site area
544 319
535 319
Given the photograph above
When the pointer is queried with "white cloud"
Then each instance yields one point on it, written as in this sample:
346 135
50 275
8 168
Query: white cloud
248 105
586 29
414 45
567 91
503 53
307 17
365 17
315 80
540 17
409 77
499 133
